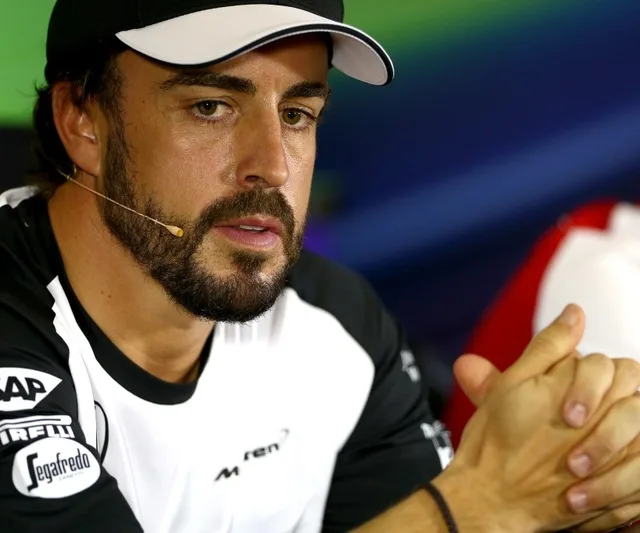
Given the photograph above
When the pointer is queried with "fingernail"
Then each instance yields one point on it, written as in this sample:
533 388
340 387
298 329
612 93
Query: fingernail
577 501
569 316
576 415
580 465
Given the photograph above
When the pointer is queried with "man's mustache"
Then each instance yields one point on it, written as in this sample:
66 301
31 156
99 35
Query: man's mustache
246 204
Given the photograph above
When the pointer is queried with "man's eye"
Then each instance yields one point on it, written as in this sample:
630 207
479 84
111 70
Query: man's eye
292 116
207 108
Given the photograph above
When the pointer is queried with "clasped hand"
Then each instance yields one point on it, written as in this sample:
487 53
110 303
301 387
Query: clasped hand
556 436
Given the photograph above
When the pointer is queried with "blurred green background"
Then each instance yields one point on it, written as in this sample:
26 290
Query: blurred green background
398 25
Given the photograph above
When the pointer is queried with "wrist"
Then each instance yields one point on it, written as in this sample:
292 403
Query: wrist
478 509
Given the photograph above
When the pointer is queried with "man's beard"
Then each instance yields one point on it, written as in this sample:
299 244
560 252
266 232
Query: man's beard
173 262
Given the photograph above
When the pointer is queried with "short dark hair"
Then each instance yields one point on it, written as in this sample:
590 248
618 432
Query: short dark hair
94 79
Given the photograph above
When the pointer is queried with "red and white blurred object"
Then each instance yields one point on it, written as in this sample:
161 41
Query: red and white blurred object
592 258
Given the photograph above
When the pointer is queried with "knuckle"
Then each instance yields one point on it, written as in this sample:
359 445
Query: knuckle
602 445
602 448
615 487
620 515
629 368
634 446
598 359
546 341
593 375
626 412
601 493
633 407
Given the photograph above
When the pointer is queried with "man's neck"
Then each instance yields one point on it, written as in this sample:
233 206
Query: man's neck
130 307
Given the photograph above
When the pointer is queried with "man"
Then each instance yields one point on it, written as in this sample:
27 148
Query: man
171 362
588 257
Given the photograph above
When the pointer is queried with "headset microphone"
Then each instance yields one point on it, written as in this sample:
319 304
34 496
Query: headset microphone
174 230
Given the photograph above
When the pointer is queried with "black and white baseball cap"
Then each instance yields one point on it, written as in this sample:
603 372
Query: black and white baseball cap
197 32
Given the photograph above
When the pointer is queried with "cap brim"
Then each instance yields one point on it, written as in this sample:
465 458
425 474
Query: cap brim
219 34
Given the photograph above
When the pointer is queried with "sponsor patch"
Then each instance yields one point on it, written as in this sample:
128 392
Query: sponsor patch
54 468
35 427
24 388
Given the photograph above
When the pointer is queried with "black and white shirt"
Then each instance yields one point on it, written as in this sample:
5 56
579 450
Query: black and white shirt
310 418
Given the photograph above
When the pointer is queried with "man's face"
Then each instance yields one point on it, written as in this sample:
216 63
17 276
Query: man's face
226 153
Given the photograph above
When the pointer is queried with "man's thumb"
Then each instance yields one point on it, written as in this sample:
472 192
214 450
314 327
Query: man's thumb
476 376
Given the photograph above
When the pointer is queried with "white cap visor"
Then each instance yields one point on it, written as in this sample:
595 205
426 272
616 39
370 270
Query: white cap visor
219 34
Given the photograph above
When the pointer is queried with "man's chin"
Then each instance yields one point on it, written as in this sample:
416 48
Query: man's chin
250 266
244 312
233 295
245 305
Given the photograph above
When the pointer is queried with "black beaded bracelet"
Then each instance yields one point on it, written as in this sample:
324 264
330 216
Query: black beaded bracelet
444 508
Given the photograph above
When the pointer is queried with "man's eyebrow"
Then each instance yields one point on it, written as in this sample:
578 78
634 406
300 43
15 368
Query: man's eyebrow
308 89
197 78
187 78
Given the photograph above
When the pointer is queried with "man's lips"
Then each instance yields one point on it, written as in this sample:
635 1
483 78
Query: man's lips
254 232
257 224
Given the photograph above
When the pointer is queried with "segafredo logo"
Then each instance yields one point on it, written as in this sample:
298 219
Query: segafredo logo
54 468
24 388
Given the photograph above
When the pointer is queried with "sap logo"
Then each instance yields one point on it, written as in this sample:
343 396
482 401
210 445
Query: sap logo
54 468
409 365
34 427
250 455
441 440
23 388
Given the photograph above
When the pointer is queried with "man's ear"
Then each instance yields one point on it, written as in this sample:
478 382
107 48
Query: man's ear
77 127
